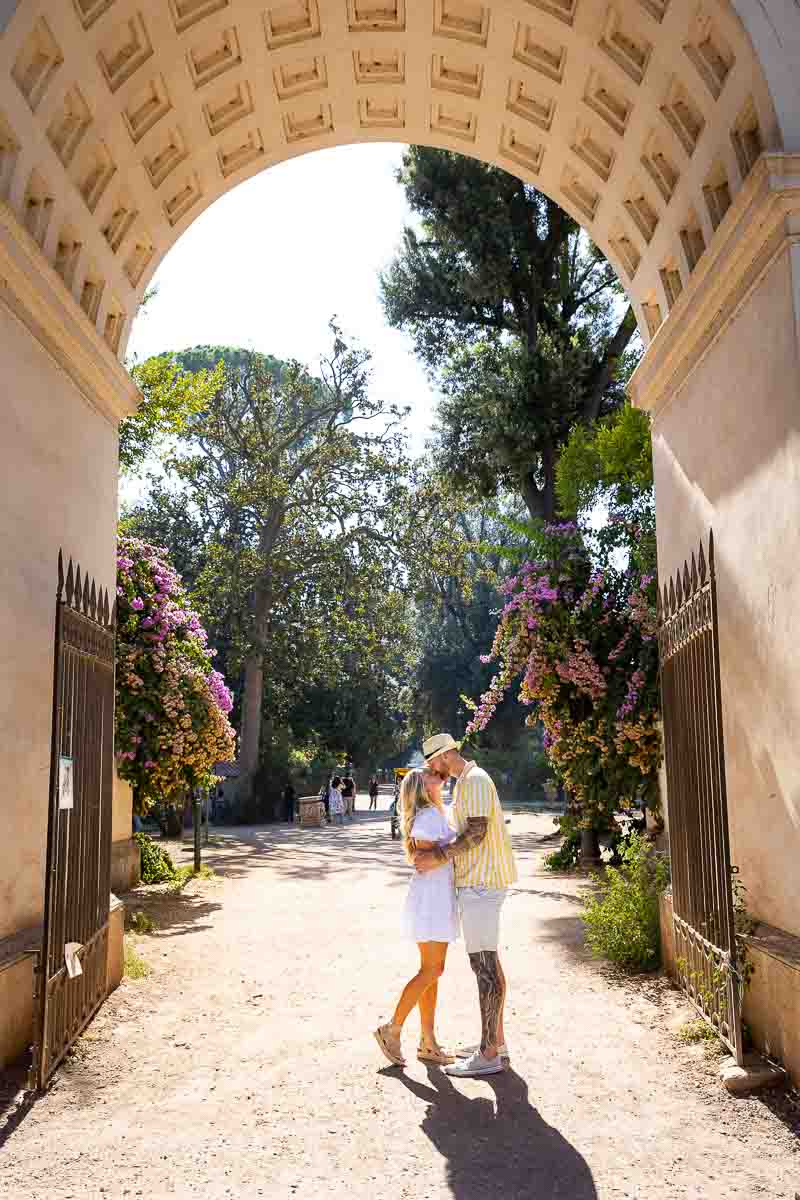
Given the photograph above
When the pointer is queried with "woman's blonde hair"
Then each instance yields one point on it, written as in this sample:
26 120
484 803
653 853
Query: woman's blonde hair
413 798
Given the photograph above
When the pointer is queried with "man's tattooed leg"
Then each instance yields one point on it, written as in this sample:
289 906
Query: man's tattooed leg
490 993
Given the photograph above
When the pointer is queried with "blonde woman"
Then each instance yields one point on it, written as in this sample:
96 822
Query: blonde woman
429 918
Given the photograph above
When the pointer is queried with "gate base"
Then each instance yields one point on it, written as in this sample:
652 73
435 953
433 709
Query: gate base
771 999
755 1073
115 960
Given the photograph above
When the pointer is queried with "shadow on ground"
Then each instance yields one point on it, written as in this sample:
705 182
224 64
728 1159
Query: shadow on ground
15 1101
498 1145
173 914
364 843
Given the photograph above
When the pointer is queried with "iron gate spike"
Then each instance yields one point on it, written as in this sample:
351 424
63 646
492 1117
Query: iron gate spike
694 574
93 602
70 585
678 587
78 587
702 566
687 592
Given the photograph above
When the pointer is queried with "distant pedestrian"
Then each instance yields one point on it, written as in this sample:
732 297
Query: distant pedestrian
289 798
373 793
349 795
325 797
336 801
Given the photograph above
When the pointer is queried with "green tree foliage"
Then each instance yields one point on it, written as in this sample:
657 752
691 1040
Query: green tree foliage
610 464
172 395
514 313
294 485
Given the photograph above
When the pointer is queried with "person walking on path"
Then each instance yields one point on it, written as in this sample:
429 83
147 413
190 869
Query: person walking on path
289 798
325 796
430 917
485 868
349 794
336 801
373 793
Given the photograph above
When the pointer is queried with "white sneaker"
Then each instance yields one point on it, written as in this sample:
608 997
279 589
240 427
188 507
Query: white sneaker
476 1065
468 1051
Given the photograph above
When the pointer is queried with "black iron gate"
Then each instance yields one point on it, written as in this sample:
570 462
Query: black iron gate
702 895
71 975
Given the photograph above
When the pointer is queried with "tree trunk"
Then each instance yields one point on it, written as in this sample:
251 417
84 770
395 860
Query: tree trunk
590 848
251 723
250 743
541 501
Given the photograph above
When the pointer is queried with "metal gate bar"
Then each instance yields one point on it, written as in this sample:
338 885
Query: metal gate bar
702 895
78 875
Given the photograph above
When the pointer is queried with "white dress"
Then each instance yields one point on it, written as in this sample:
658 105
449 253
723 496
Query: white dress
430 913
335 802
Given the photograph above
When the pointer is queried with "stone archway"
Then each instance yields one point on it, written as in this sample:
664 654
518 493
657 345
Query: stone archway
121 121
670 129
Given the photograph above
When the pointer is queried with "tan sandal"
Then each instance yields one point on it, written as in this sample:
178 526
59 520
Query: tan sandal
388 1039
432 1052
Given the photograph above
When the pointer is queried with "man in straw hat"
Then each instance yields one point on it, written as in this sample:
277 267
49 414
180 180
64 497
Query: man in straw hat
485 868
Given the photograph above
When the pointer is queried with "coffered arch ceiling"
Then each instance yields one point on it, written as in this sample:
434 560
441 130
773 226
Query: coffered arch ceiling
121 120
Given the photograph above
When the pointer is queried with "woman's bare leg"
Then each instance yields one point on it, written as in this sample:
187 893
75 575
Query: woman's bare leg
427 1001
432 956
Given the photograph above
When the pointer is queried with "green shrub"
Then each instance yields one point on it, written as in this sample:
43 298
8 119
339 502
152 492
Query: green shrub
697 1030
135 967
566 856
622 918
141 922
157 866
180 878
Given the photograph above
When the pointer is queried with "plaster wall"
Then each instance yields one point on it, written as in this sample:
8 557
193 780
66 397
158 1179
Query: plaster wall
726 453
125 854
16 1009
60 491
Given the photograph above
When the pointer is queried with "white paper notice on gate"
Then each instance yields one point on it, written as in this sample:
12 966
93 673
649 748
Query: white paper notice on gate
65 797
73 963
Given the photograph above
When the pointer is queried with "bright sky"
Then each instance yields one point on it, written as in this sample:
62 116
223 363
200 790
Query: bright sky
270 263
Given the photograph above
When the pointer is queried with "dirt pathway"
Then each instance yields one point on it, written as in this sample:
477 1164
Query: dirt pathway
243 1065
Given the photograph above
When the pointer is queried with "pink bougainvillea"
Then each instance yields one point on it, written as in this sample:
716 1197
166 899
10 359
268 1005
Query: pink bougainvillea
583 644
171 707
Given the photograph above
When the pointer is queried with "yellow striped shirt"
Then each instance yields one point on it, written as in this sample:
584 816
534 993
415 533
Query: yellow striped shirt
492 864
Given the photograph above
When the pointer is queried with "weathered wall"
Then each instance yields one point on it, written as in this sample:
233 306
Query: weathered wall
726 453
60 485
125 856
16 1009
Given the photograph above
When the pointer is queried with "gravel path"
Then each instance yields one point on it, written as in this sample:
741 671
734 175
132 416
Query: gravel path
243 1065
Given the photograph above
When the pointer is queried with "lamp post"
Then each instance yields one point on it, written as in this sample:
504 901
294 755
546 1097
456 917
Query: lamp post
196 822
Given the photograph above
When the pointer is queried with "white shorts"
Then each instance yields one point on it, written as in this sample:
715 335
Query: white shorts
480 916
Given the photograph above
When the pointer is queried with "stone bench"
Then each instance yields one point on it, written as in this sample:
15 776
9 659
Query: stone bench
311 812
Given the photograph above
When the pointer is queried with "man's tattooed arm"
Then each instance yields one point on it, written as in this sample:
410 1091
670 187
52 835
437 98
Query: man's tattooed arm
473 835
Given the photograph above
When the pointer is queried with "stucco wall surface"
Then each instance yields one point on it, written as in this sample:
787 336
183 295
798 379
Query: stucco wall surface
59 490
16 1009
726 453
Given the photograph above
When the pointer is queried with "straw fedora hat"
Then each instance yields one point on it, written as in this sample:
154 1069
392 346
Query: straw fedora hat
438 744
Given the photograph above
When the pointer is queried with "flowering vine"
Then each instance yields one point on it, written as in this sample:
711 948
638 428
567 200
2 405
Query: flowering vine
172 707
582 642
